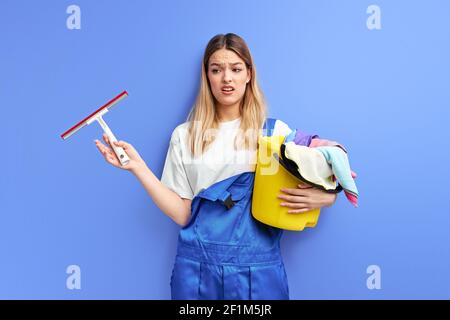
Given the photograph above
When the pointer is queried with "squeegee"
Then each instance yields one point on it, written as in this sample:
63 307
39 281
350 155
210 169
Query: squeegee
98 116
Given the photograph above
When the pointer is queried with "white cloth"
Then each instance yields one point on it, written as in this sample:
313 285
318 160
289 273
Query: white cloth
312 164
187 176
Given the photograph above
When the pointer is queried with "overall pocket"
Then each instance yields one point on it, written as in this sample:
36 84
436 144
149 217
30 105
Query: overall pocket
217 224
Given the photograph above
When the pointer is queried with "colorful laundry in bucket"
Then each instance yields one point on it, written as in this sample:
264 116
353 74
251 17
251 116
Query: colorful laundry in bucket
320 174
321 167
315 172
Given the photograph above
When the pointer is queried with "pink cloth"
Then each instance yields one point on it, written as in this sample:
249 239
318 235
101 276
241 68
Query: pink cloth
352 198
317 142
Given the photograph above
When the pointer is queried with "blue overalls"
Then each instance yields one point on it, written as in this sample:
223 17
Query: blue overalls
223 252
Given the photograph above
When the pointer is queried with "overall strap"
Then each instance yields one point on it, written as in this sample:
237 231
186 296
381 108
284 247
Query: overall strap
269 126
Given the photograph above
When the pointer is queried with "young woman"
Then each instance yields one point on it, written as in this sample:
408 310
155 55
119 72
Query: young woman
207 180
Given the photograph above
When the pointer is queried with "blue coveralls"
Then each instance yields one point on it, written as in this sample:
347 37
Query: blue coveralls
223 252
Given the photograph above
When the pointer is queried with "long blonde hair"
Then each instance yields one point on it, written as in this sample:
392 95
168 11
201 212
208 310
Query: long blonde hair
203 115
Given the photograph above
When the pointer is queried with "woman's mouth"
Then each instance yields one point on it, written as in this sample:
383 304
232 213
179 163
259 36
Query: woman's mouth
227 90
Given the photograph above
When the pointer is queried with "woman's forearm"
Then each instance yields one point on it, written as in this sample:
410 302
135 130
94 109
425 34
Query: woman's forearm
168 201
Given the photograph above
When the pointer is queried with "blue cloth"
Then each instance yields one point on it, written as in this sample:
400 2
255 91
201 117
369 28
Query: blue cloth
269 126
338 160
223 252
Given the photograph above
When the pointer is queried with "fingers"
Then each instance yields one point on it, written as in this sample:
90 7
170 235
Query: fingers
106 139
109 158
297 199
297 204
301 190
101 146
289 198
122 144
294 205
298 210
106 152
296 192
110 155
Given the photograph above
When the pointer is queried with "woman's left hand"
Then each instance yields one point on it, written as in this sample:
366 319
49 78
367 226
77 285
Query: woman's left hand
305 198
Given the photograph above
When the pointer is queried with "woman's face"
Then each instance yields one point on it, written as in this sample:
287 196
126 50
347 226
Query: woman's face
228 76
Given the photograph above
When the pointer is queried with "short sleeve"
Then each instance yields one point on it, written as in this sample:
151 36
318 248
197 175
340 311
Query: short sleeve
174 174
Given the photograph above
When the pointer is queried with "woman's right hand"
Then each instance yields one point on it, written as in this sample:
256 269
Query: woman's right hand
110 156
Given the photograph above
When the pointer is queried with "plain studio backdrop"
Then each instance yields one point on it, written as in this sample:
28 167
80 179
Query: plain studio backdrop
373 75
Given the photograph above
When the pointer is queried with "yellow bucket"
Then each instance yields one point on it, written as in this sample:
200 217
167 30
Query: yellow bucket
270 177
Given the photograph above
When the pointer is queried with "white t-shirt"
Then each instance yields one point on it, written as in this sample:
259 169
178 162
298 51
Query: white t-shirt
187 176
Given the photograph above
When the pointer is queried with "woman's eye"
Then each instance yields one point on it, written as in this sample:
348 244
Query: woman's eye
214 70
238 70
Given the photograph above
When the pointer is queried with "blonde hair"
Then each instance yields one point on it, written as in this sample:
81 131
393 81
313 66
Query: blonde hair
203 115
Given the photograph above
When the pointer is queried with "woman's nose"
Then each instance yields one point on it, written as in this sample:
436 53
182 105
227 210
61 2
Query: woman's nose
227 76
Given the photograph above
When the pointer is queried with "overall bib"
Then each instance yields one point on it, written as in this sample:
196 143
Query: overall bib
223 252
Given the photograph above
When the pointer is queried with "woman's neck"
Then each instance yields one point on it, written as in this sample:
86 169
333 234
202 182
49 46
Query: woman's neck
228 113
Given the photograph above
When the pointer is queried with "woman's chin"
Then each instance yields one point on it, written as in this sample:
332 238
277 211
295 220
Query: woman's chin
228 101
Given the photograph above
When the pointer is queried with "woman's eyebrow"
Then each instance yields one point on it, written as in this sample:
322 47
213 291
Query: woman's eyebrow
221 64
